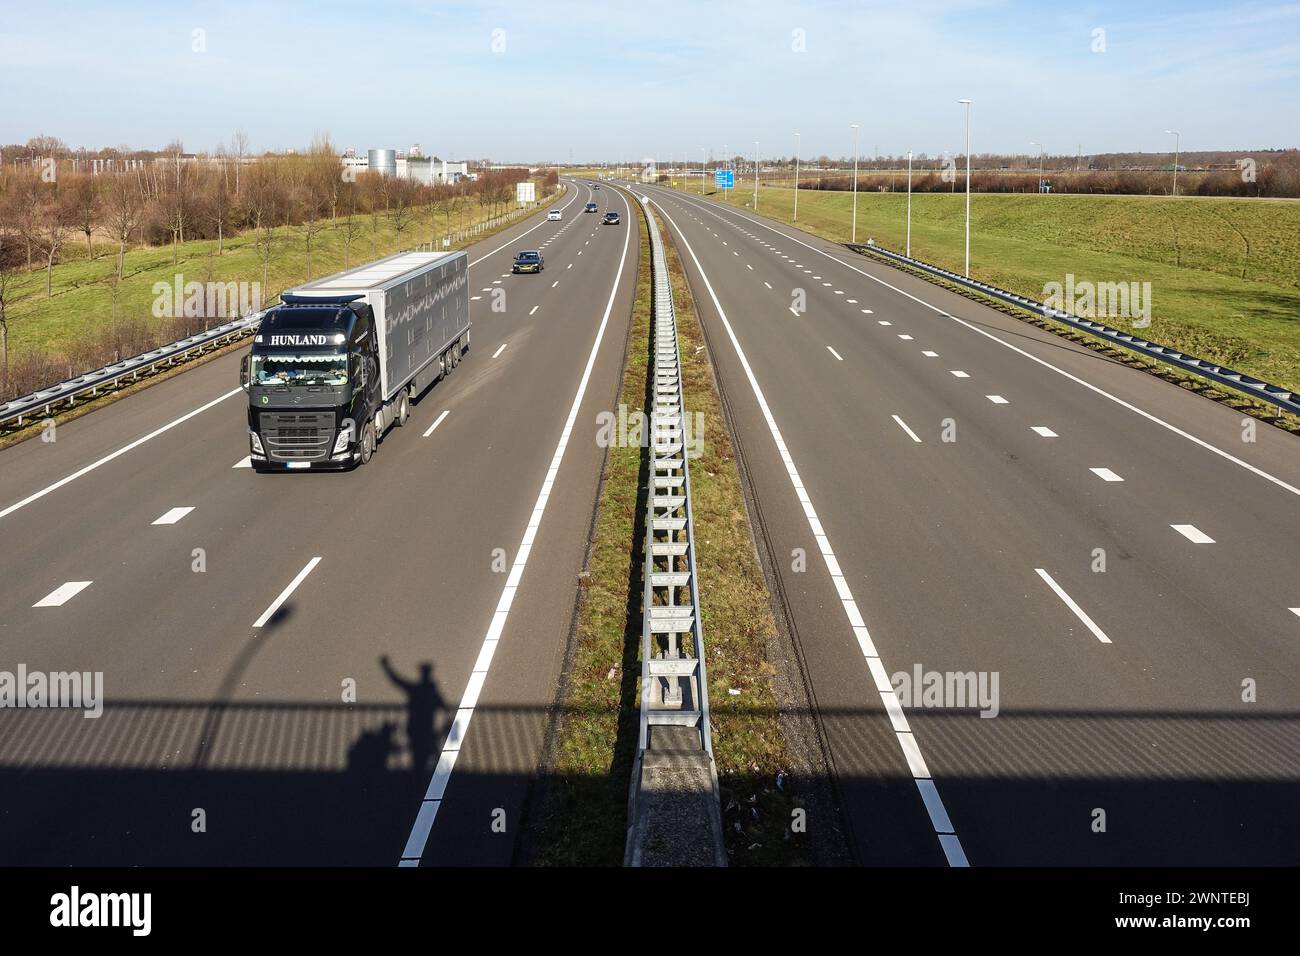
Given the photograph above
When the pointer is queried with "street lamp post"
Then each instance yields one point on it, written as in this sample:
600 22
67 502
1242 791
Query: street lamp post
967 104
854 229
755 175
726 160
701 170
1177 143
1040 164
796 178
909 205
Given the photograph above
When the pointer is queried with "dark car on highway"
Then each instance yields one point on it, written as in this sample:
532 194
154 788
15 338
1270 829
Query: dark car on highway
529 261
611 219
591 207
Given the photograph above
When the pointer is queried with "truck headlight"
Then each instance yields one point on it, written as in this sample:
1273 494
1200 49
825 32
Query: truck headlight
346 434
255 443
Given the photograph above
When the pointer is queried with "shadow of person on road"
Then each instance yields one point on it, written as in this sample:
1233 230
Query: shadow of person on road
424 705
368 757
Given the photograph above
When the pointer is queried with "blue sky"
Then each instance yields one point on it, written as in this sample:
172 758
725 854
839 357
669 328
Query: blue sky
621 80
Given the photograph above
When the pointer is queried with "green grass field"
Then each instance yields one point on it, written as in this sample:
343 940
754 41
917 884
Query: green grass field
82 299
1224 273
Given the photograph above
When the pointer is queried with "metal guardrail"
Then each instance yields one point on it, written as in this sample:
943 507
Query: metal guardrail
674 690
43 402
1277 395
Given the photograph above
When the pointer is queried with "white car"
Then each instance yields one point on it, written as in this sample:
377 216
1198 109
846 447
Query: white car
553 215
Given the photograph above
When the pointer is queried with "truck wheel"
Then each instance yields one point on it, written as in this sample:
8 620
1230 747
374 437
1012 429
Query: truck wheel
455 353
367 442
403 408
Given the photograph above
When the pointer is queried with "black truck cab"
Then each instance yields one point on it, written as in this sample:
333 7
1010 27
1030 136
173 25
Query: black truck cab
313 385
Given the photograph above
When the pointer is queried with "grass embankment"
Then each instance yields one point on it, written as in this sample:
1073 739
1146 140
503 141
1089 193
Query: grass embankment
82 289
587 816
1225 284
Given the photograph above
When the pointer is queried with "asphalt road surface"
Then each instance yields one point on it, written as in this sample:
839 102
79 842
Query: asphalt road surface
977 497
315 668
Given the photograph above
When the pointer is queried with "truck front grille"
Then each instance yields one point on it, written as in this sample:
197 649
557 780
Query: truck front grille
297 436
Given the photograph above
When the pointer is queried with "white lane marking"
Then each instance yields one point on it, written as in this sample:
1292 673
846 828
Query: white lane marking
569 266
555 283
533 309
121 451
825 283
422 826
475 298
928 354
284 595
749 267
500 350
1295 611
768 284
1105 474
173 516
436 422
883 322
63 593
1046 364
905 338
1069 602
958 373
867 312
794 312
997 399
245 462
910 434
511 242
911 750
1042 431
851 301
489 288
835 353
838 292
1192 533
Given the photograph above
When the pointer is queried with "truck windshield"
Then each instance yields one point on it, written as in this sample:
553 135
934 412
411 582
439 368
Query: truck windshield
282 370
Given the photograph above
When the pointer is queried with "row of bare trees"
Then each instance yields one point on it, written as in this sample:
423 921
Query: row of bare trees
175 198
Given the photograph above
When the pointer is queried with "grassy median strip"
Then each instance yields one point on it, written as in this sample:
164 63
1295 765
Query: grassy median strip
586 815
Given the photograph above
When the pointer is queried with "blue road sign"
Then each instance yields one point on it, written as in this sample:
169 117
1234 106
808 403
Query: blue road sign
724 178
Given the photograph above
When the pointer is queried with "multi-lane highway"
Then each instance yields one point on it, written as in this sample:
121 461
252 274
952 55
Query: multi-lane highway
316 668
975 496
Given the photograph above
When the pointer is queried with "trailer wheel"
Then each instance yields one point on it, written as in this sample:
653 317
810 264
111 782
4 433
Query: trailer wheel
455 353
367 442
403 408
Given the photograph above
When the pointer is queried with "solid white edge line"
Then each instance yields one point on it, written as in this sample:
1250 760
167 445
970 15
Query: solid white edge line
835 353
436 422
1070 603
1034 358
907 743
422 826
284 595
911 434
121 451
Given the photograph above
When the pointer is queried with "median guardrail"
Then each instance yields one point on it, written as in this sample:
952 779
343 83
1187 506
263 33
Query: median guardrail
674 815
1283 398
46 401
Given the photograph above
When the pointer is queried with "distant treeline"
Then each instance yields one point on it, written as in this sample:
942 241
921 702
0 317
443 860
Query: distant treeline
47 212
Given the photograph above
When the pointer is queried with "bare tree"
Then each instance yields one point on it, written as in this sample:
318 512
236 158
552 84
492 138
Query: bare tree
401 206
85 206
266 205
123 211
351 223
50 230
